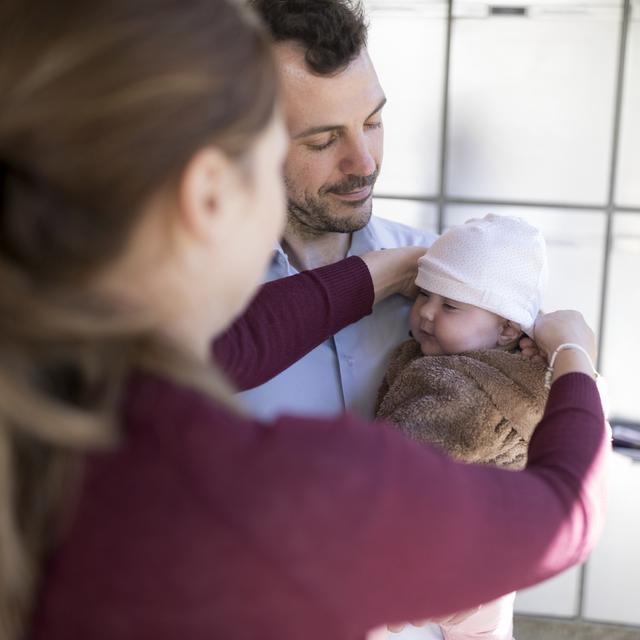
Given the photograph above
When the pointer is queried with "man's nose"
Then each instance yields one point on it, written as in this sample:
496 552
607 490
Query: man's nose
358 160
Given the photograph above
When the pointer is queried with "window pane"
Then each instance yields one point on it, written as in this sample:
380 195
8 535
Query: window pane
532 102
621 355
421 215
575 247
628 192
407 46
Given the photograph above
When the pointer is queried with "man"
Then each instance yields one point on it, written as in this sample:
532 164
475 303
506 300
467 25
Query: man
333 105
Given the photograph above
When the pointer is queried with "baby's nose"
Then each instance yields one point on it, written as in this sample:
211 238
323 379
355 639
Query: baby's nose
427 311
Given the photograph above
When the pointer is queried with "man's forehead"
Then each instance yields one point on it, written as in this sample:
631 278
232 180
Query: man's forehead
290 58
311 99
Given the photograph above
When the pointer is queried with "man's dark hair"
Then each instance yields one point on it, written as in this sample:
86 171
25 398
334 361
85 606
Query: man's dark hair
332 32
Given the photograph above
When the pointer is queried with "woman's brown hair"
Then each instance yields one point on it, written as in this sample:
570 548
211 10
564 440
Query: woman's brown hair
103 104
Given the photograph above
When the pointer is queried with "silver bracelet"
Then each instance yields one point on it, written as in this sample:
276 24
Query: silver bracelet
564 347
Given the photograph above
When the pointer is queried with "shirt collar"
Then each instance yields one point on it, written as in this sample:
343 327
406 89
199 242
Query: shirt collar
366 239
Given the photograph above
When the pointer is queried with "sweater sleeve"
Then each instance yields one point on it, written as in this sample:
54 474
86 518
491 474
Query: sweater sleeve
387 530
475 533
289 317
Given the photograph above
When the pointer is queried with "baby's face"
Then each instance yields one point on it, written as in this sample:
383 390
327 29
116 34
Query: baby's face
444 326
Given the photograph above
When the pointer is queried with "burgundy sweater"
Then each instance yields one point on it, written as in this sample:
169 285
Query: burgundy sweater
207 524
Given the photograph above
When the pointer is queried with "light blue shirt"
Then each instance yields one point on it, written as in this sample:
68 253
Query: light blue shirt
345 371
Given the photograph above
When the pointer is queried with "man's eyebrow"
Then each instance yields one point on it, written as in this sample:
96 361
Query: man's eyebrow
313 130
333 127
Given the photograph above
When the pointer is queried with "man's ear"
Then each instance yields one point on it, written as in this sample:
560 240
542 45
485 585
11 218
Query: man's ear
509 332
206 184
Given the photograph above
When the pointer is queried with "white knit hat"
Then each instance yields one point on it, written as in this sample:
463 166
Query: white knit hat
498 263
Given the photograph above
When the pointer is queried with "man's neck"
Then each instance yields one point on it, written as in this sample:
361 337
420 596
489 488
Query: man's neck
310 252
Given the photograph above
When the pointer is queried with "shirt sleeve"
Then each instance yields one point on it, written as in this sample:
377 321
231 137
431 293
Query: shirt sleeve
291 316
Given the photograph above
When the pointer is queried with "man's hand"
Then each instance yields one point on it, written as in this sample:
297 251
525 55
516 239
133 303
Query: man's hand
451 620
397 628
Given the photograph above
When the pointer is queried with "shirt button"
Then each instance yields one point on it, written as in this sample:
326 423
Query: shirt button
350 361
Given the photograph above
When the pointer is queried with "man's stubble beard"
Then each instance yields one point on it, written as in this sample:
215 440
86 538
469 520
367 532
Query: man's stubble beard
313 216
315 219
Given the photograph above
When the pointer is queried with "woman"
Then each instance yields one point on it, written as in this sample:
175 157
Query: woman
140 154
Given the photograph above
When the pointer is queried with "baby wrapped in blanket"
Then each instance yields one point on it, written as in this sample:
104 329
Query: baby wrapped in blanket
460 382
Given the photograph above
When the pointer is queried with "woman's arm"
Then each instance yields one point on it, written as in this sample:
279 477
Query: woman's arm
387 530
394 531
355 523
291 316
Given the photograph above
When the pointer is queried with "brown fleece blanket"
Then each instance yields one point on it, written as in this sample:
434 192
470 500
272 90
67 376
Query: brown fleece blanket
479 406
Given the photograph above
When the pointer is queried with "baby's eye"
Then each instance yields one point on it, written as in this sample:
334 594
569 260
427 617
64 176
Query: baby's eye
449 307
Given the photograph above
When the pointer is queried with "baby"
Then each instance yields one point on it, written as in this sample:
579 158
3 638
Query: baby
460 382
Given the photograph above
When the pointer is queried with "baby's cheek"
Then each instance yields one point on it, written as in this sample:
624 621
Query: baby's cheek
462 336
414 321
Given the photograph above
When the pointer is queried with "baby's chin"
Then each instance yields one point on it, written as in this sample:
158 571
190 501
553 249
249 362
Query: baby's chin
430 347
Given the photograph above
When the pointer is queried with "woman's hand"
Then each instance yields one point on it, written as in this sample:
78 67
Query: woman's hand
553 329
394 271
561 327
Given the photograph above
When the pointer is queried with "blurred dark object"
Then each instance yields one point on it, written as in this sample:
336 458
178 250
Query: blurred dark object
508 11
626 438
